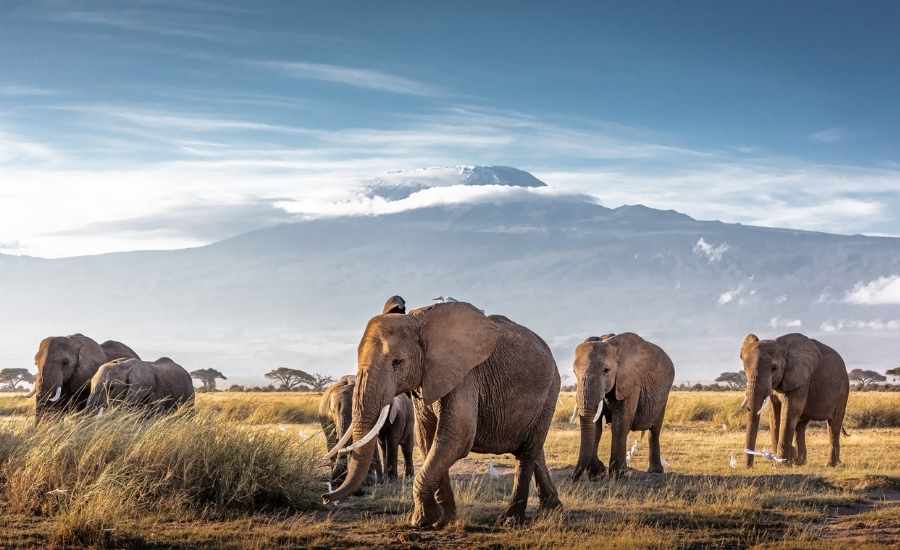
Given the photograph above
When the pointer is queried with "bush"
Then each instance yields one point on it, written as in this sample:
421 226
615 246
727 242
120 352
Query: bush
90 473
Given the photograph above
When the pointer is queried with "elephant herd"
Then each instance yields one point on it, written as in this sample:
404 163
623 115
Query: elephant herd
75 373
466 381
451 380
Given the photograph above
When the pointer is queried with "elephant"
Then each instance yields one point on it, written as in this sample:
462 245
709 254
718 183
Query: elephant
479 383
398 432
160 386
65 366
632 377
805 380
335 415
395 304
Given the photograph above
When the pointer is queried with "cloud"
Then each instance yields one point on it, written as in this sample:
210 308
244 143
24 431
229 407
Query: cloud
14 148
876 325
20 90
140 21
883 290
776 323
712 252
7 247
353 76
828 136
730 295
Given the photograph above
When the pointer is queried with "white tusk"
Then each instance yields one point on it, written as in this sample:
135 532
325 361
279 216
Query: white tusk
340 444
57 395
743 403
599 411
574 414
763 406
372 433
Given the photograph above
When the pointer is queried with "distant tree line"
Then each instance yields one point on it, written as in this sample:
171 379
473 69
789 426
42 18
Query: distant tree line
284 378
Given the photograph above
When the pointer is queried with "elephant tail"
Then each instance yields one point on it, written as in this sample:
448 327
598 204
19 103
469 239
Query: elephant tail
844 431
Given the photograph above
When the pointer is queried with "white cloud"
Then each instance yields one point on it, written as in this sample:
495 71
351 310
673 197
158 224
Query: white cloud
828 135
17 90
876 325
776 323
14 148
730 295
781 299
711 251
883 290
353 76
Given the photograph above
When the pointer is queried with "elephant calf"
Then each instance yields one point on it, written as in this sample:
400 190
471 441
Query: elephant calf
335 415
162 385
633 378
806 380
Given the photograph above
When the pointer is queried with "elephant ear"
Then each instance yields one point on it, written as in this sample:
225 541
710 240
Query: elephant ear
630 356
90 357
141 381
801 359
457 337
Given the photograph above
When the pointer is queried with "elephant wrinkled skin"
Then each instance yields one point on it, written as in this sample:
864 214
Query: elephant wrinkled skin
631 378
483 384
160 386
805 380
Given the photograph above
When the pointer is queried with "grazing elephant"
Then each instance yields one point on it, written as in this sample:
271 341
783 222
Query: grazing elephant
633 378
483 384
161 386
335 415
806 380
65 366
398 432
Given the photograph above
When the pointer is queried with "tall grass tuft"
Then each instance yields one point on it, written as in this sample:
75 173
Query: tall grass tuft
91 473
263 408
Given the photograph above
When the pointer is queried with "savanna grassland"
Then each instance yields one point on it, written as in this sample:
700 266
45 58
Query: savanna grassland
245 471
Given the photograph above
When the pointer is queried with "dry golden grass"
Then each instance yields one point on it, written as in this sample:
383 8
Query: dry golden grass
700 502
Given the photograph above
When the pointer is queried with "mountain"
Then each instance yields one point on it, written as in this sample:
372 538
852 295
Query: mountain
299 294
400 184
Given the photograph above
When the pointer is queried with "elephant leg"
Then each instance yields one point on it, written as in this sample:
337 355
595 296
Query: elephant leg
622 419
834 429
453 438
775 421
447 501
801 443
546 490
407 448
596 467
390 465
656 466
791 411
525 467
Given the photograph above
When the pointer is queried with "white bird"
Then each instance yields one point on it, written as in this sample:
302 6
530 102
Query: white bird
633 450
732 462
765 453
492 471
442 299
664 462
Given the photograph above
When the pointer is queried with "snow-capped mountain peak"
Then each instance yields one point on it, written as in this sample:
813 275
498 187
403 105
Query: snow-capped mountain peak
400 184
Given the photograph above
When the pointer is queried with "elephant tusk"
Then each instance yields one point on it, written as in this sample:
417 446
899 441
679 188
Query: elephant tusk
372 433
57 395
340 444
743 404
763 406
574 414
599 411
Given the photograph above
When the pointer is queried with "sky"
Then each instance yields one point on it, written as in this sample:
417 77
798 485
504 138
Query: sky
162 124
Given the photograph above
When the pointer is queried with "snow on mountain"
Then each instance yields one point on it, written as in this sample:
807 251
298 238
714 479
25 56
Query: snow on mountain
400 184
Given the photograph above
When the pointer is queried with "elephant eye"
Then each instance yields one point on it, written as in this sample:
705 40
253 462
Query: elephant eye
605 370
396 362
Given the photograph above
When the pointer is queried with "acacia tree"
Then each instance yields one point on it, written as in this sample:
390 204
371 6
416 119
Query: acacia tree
208 377
865 377
895 372
736 380
296 379
11 378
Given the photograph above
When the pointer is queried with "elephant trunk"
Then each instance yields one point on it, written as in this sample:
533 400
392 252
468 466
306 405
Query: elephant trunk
754 402
48 393
588 450
359 463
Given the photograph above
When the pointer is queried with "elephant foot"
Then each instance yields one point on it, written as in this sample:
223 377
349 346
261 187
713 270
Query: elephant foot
512 518
834 463
551 504
596 470
427 516
656 469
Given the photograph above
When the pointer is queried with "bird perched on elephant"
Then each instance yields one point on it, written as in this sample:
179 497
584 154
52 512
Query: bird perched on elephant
160 386
335 416
805 380
65 366
479 383
626 380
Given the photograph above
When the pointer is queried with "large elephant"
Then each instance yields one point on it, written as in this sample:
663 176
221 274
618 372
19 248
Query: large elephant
632 377
335 416
806 380
160 386
483 384
65 366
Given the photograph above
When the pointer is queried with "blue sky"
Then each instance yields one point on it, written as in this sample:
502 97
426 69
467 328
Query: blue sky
238 113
